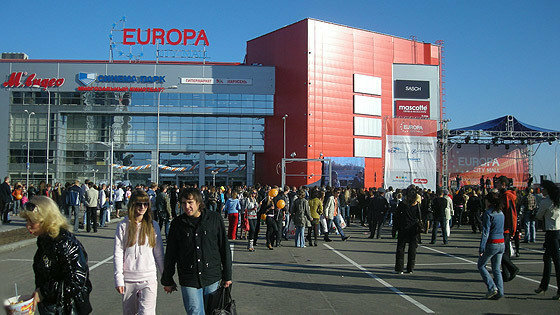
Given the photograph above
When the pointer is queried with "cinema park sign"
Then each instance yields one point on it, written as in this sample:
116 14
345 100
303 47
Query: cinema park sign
153 36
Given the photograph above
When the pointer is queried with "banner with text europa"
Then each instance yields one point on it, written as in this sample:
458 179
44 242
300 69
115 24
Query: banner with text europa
411 153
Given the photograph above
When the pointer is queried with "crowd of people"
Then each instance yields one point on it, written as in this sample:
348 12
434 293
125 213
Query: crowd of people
306 214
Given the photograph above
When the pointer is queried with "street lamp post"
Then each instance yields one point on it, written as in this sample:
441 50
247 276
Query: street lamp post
94 171
172 87
110 145
28 142
214 177
48 128
284 119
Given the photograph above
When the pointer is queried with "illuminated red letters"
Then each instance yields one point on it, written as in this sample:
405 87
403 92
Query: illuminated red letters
15 81
160 36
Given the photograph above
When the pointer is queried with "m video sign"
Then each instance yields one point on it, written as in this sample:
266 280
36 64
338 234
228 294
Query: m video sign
412 89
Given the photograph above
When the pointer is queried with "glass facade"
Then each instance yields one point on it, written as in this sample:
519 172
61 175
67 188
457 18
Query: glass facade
218 131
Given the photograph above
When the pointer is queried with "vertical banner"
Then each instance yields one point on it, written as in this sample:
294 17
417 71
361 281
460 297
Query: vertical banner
410 157
473 161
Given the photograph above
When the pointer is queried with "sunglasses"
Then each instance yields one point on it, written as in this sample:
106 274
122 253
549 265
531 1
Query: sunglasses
30 206
141 204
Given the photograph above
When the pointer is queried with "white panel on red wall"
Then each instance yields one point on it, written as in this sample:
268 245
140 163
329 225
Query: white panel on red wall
364 126
367 84
367 148
366 105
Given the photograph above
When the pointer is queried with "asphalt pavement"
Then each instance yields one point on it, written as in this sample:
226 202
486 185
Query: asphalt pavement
352 277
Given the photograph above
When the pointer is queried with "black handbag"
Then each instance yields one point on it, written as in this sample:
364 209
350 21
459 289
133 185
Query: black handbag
221 303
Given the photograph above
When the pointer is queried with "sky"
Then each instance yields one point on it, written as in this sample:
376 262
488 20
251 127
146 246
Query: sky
501 57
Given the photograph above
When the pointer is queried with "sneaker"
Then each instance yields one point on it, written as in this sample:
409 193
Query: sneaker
556 297
409 272
491 294
539 290
345 238
399 272
496 297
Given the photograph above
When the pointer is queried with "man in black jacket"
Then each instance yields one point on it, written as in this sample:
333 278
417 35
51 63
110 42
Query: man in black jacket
379 207
5 199
438 206
474 206
199 247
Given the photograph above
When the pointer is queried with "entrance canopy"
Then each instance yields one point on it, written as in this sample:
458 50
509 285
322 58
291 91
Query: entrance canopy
503 130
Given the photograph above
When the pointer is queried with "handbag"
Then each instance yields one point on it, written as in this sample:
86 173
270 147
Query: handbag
221 303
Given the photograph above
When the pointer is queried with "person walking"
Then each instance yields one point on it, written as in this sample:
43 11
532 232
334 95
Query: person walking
232 208
92 199
59 262
530 205
439 206
252 206
103 205
163 206
549 211
301 217
198 248
316 210
407 223
379 206
492 246
74 198
331 214
138 256
5 200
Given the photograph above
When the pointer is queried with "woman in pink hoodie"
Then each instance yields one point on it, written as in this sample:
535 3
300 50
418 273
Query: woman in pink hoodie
138 256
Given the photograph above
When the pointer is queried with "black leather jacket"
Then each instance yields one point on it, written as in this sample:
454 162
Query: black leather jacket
62 273
201 252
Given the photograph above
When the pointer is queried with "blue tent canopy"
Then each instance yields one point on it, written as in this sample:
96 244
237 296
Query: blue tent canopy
500 124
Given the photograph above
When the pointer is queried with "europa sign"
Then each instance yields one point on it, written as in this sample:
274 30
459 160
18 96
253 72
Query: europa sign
31 80
153 36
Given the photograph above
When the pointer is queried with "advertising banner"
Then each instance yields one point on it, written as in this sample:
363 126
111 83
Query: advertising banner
412 109
472 161
410 157
346 171
412 89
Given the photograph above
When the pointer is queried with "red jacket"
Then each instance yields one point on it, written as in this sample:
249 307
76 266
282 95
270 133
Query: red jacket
510 213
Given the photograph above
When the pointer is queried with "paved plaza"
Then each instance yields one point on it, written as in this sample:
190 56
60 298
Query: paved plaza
352 277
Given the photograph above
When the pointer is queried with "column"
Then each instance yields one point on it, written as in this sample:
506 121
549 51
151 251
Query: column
201 168
250 167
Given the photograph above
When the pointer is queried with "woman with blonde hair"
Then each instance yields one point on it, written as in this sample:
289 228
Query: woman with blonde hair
60 263
138 256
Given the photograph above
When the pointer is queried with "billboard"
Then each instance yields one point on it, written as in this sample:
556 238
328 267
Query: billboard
410 153
412 109
472 161
346 171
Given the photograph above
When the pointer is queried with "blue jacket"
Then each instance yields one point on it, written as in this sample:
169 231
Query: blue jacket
74 196
492 227
232 206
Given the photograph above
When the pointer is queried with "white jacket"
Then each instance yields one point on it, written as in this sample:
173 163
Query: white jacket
329 208
449 209
138 262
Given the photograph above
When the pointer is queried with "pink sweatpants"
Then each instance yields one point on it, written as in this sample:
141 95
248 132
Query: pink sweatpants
140 297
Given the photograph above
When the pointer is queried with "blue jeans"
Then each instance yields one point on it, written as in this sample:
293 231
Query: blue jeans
76 211
337 224
300 236
530 230
287 223
104 213
195 300
494 253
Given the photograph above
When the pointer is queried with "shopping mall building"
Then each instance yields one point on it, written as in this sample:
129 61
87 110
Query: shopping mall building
310 90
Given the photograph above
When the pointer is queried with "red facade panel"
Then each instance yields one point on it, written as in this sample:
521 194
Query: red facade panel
315 65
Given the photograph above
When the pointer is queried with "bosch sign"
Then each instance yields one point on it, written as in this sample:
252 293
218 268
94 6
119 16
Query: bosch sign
160 36
412 89
31 80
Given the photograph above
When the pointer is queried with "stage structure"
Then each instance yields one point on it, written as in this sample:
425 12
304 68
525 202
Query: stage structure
506 131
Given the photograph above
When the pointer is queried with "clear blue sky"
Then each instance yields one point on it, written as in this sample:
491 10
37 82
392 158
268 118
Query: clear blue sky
501 57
